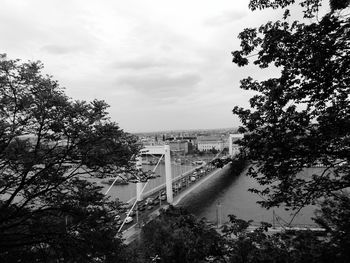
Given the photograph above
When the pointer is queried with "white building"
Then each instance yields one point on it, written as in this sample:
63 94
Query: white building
209 144
235 149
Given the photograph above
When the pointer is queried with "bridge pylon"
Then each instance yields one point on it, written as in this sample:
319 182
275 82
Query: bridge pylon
162 150
233 150
168 177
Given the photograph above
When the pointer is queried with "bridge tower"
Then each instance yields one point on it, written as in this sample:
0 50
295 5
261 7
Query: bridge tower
230 148
139 185
162 150
168 177
234 150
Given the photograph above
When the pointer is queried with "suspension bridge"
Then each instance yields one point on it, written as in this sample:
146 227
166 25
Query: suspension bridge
148 200
172 191
169 193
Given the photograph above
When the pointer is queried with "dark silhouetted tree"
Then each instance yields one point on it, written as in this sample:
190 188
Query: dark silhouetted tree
176 236
244 245
300 118
49 147
334 216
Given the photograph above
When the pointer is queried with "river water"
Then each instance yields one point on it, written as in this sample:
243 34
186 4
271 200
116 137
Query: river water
220 196
225 194
127 192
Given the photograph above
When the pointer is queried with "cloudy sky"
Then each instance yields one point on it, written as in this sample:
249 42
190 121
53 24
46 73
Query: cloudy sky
159 64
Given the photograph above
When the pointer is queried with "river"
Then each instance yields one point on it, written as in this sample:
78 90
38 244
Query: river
229 194
127 192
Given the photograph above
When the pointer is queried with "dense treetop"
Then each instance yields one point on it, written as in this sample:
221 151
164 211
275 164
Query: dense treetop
300 118
50 145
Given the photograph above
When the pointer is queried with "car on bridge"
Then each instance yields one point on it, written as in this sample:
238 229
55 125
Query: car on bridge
177 186
128 220
141 207
132 213
149 201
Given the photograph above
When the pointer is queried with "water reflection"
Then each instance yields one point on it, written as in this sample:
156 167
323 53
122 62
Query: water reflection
127 192
234 198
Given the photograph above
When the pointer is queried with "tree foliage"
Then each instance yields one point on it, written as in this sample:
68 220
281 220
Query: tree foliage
300 118
176 236
49 147
334 216
259 245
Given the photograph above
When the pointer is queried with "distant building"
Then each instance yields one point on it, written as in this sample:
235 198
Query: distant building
209 143
179 146
236 137
190 139
235 146
235 149
151 142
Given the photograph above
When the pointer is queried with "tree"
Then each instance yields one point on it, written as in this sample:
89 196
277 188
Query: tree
334 216
176 236
49 147
214 151
259 245
300 118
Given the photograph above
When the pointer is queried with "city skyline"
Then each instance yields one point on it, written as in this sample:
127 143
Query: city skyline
160 65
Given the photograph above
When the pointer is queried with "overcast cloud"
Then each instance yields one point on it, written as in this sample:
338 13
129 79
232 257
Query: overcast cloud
160 64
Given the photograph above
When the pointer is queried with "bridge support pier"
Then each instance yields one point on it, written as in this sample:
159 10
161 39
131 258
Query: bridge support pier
168 177
139 186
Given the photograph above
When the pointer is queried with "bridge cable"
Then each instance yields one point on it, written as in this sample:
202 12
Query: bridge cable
132 207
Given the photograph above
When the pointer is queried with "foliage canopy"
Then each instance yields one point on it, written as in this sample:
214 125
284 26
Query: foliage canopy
300 118
50 146
177 236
